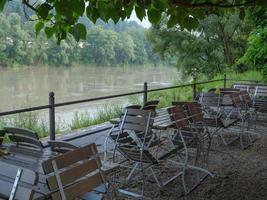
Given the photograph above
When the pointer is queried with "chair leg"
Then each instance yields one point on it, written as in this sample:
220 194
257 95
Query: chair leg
131 172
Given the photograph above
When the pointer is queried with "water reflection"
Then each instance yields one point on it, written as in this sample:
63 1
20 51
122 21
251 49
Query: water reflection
23 87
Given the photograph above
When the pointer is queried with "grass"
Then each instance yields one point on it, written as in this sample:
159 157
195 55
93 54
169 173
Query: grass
84 119
27 120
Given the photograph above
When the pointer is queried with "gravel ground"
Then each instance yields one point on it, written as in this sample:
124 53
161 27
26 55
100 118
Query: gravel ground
238 175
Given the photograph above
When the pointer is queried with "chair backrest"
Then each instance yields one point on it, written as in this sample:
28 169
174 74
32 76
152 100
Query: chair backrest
195 113
178 116
136 120
74 173
226 95
241 87
246 98
261 91
212 90
24 138
179 103
25 180
236 99
136 135
210 100
229 90
61 146
250 88
151 105
135 106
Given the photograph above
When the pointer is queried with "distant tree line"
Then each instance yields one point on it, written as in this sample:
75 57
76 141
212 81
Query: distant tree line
123 43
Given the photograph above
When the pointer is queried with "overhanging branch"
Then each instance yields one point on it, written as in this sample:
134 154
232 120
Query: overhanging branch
29 5
210 4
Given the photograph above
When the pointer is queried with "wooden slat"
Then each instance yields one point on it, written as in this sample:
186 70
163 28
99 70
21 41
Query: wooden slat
25 140
135 154
61 147
210 99
150 107
177 115
134 127
237 102
22 193
143 113
79 188
21 131
8 170
151 102
69 158
229 90
74 173
137 120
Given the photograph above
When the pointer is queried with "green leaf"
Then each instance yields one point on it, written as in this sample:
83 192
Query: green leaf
92 13
172 21
49 31
160 4
191 23
64 8
242 13
140 12
43 10
38 26
79 7
79 32
2 4
154 15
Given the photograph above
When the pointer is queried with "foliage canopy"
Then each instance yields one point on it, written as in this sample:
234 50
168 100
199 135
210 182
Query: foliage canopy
60 17
213 48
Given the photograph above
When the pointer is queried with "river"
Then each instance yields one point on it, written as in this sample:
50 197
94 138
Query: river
25 87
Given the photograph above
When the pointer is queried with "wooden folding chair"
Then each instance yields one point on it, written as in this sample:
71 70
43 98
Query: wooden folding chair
73 174
121 132
187 137
136 142
16 183
24 138
196 117
216 117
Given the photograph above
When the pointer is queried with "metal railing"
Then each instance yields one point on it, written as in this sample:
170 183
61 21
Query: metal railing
52 105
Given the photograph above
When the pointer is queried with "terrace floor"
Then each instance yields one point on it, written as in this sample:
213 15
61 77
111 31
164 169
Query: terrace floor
239 174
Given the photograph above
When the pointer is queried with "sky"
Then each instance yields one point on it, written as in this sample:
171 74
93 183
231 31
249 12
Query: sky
145 23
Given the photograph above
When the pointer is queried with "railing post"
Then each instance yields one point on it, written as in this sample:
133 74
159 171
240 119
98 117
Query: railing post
52 129
224 81
194 89
145 93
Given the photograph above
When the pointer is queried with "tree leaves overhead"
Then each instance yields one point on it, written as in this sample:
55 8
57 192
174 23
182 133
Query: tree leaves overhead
79 32
63 15
2 4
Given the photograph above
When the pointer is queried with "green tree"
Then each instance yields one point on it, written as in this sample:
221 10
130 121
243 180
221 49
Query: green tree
212 48
256 52
125 49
